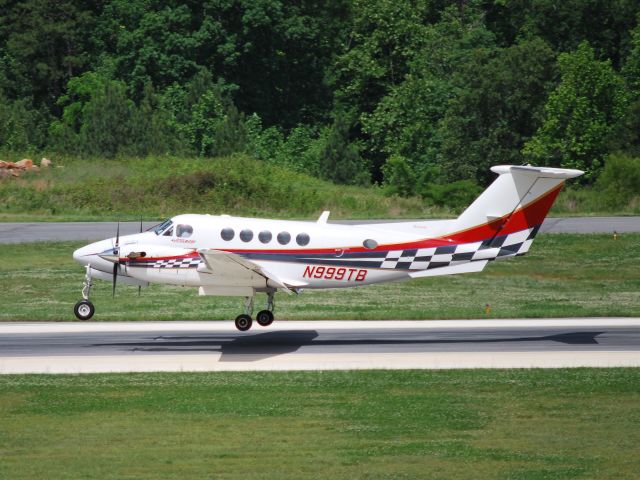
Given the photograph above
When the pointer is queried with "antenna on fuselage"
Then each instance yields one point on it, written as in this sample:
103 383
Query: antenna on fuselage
324 217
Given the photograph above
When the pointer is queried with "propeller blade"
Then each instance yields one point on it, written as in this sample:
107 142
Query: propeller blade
116 253
141 225
115 276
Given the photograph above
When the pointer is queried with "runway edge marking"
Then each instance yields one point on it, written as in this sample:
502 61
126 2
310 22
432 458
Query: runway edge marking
226 326
378 361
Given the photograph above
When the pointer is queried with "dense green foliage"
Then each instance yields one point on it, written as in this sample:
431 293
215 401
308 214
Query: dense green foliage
409 94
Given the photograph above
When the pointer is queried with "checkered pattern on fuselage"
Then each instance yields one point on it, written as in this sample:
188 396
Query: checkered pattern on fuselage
503 246
191 262
510 245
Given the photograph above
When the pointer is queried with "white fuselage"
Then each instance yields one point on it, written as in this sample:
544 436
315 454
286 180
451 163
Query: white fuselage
334 256
227 255
237 256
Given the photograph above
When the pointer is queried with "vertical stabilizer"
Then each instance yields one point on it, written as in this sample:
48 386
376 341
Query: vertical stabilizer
519 199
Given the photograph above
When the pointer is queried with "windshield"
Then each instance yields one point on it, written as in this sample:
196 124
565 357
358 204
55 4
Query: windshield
162 227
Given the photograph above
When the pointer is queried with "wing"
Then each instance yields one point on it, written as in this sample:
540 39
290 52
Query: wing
230 264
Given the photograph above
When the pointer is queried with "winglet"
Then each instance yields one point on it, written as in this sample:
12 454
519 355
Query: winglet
323 218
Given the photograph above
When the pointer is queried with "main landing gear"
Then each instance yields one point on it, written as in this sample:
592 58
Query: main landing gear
84 309
264 317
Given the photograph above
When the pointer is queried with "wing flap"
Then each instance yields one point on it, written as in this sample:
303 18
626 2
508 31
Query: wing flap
219 262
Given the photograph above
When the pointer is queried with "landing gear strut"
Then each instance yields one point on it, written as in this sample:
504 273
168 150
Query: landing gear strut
84 309
264 317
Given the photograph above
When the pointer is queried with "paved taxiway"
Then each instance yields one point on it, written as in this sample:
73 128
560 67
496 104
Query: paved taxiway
317 345
92 231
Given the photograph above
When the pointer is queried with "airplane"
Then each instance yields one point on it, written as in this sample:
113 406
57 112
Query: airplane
234 256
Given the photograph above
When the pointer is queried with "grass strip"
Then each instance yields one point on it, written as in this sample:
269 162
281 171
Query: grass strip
564 275
483 424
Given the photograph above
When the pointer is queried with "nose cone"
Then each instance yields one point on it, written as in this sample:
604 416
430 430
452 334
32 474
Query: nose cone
89 255
82 255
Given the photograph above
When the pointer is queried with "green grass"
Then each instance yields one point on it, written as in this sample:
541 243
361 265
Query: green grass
484 424
562 276
158 187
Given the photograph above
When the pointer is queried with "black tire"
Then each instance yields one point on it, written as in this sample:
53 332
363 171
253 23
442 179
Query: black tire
264 318
243 322
84 310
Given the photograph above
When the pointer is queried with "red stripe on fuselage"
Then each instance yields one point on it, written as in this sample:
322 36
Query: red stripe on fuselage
193 254
529 216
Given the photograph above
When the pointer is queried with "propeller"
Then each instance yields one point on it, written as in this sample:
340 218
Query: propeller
116 259
139 287
116 264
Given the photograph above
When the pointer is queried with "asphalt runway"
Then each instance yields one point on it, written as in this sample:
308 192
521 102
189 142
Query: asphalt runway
92 231
317 345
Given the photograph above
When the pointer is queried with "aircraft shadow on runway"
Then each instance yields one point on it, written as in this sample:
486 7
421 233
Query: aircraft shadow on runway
248 348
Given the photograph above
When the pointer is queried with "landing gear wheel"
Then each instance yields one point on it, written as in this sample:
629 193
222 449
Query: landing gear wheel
243 322
84 310
264 318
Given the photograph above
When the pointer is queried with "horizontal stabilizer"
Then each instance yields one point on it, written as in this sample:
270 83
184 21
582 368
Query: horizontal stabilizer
540 172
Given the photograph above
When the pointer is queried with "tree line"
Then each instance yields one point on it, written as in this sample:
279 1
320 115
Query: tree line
421 96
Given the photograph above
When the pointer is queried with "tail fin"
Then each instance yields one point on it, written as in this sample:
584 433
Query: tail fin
515 203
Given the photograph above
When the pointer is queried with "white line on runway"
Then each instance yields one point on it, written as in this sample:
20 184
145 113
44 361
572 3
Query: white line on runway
327 361
282 325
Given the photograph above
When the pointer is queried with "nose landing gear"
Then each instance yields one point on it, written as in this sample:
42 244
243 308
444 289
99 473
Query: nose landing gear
84 309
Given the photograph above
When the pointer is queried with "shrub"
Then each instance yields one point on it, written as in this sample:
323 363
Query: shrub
399 177
22 128
619 182
339 159
456 195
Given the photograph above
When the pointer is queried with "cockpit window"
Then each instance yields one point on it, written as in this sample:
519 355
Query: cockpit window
158 229
168 232
184 231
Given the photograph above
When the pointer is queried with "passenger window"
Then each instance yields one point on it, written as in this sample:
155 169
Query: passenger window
227 234
284 238
264 236
246 235
302 239
370 244
184 231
